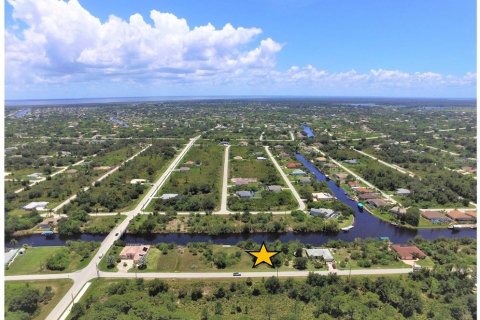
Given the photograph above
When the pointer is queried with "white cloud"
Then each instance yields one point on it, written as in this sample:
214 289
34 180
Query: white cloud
63 38
61 43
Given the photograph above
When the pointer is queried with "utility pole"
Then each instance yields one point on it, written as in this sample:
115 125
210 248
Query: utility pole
350 273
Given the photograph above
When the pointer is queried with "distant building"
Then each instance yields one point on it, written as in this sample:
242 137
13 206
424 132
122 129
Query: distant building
402 192
10 255
138 181
377 203
275 188
351 161
245 194
398 211
321 159
36 205
183 169
237 158
408 252
323 212
167 196
135 252
317 253
261 158
298 172
323 196
341 176
305 180
435 217
363 190
293 165
367 196
460 216
243 181
36 175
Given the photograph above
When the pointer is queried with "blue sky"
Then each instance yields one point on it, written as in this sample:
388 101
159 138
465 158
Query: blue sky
327 48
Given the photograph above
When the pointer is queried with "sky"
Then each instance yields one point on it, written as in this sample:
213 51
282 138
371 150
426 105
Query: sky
121 48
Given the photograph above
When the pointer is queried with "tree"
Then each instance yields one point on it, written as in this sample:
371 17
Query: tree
273 285
300 263
111 261
156 286
24 299
196 294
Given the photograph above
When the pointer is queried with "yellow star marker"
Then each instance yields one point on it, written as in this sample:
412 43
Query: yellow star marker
263 256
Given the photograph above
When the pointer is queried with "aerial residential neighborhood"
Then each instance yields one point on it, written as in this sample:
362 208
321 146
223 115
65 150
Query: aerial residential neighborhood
209 160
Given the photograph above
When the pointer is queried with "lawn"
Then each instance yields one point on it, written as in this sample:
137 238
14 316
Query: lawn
34 261
59 289
341 254
102 224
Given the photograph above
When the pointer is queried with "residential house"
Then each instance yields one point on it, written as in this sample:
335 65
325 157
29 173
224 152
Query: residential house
322 196
408 252
351 161
167 196
293 165
36 205
298 172
245 194
134 252
305 180
377 203
402 192
341 176
275 188
316 253
435 217
460 216
324 212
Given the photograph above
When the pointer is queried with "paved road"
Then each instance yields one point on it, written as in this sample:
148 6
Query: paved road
223 205
211 275
301 204
393 166
73 197
357 176
81 277
445 151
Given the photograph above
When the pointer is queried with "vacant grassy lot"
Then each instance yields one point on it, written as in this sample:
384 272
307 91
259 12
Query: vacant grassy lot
59 289
199 187
34 261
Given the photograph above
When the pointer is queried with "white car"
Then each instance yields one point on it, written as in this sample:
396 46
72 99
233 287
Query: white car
100 256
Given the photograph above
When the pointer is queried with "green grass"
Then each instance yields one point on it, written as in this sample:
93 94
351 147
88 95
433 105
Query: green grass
341 254
208 173
182 260
102 224
426 263
34 260
59 287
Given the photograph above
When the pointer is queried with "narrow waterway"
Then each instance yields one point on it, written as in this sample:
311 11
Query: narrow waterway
366 226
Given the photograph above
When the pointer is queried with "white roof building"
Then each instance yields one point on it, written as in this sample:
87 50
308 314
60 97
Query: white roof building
36 205
167 196
323 196
320 252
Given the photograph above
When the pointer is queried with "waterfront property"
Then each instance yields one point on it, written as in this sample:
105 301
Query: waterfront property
134 252
460 216
317 253
408 252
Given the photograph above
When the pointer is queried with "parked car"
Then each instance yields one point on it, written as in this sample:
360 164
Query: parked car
237 274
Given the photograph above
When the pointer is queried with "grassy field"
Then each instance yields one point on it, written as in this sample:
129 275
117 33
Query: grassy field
102 224
250 167
183 260
341 254
59 288
34 261
198 188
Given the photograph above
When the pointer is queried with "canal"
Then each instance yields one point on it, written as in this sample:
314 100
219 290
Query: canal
366 226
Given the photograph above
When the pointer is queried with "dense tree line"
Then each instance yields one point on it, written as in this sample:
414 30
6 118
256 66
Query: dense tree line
316 297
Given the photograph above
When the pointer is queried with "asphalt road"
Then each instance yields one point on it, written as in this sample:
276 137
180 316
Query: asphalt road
81 277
